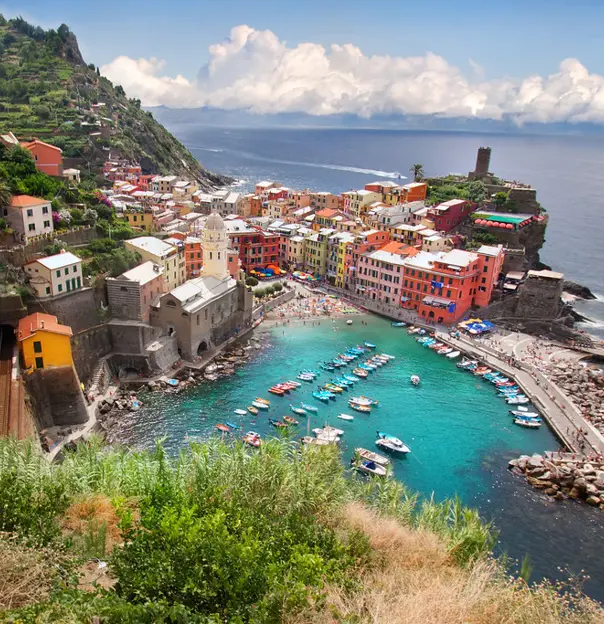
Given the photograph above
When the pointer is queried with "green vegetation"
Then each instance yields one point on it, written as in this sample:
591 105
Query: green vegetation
224 533
453 187
48 92
418 172
251 281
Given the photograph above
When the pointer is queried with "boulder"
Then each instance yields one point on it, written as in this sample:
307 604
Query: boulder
574 493
588 469
559 496
592 500
580 484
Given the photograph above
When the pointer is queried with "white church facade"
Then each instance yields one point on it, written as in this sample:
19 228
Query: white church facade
207 310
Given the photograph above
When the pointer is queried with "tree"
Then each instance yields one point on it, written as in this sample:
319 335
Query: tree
500 199
6 196
477 191
418 172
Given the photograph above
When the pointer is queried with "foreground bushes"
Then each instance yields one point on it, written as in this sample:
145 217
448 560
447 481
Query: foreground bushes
228 534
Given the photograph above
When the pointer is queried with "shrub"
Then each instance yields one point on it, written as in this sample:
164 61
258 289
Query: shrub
269 290
251 281
278 287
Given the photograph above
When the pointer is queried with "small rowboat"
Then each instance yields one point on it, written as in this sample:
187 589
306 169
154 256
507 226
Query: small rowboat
369 345
309 408
453 355
290 420
297 410
306 377
345 417
529 423
223 428
371 468
252 439
232 425
371 456
261 400
359 372
277 423
277 391
252 410
322 396
259 405
240 412
360 408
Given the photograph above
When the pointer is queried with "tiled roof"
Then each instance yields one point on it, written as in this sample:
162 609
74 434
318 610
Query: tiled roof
29 325
23 201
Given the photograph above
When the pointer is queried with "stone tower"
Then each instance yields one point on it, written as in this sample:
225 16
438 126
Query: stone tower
483 162
215 243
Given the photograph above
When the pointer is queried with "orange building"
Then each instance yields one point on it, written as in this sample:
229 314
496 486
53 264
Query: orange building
363 242
48 158
442 287
193 257
415 191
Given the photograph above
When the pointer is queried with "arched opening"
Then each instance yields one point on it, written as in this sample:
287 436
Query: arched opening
203 346
431 314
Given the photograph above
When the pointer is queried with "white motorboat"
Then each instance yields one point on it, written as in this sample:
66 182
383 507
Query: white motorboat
371 468
371 456
240 412
364 401
328 430
260 405
391 443
529 423
328 438
308 440
453 355
523 412
517 400
345 417
349 322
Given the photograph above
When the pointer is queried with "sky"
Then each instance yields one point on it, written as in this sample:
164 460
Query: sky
537 60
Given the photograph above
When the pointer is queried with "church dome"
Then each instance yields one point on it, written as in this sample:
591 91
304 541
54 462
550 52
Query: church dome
214 222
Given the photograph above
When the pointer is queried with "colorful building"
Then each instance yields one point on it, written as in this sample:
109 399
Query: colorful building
43 342
54 275
193 256
139 219
315 254
48 158
170 258
363 242
442 287
380 272
295 250
356 203
132 293
449 214
29 216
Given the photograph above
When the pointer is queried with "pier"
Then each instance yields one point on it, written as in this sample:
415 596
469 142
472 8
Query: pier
557 409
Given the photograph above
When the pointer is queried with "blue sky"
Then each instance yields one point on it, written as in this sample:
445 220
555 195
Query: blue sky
507 38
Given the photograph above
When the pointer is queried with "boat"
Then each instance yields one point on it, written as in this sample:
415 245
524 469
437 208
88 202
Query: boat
522 411
360 408
528 423
445 351
328 367
172 382
231 425
277 391
371 468
528 416
368 367
252 410
345 417
328 430
309 440
517 400
361 400
240 412
297 410
413 330
369 345
399 324
290 420
261 400
391 443
349 322
135 405
351 378
294 384
279 424
309 371
252 439
387 356
259 405
360 372
333 388
453 355
466 363
321 396
306 377
371 456
340 381
223 428
482 370
309 408
415 380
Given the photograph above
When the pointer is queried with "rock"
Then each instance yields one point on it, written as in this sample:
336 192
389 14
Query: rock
578 290
550 491
559 496
151 385
588 469
580 484
592 500
512 463
591 489
536 461
574 493
105 408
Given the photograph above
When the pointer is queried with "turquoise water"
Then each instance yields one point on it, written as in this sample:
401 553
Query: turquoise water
459 431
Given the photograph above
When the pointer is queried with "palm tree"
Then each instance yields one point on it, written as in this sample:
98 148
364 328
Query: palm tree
6 196
418 172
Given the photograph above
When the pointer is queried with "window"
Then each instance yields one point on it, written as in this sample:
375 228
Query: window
75 268
485 269
31 227
30 212
60 287
45 210
66 271
484 280
39 362
48 290
46 224
448 293
37 347
68 285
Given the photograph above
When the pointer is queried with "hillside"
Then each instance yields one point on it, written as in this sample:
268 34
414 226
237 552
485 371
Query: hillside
222 533
47 91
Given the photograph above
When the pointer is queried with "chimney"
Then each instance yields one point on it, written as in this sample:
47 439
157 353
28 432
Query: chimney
42 323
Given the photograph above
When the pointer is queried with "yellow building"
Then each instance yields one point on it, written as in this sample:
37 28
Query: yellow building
44 342
139 219
343 244
170 258
315 253
295 251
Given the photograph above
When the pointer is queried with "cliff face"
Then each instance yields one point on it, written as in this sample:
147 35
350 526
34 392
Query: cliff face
47 91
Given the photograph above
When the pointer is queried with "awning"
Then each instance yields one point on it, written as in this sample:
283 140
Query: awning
438 301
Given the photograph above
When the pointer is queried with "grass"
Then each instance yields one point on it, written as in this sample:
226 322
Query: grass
223 533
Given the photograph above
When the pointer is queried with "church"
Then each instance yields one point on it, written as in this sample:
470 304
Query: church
206 311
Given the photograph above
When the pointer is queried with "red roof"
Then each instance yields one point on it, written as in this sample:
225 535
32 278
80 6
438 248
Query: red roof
401 249
22 201
29 325
327 213
29 144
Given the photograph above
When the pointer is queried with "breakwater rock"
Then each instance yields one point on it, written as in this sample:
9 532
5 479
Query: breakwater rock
578 290
584 386
563 476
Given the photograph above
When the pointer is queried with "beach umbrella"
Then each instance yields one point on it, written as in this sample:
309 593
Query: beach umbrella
509 226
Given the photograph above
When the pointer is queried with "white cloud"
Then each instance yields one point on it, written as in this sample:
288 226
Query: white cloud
254 70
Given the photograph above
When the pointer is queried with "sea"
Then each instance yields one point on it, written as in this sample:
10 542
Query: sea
460 433
567 171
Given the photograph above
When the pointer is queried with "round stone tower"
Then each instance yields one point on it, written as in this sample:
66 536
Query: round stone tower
215 243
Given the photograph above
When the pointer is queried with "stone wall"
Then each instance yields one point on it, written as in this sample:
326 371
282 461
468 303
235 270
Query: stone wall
11 309
124 298
88 347
57 397
539 298
79 309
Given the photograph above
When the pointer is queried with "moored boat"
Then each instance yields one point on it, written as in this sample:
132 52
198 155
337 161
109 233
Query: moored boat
528 423
252 438
297 410
223 428
360 408
453 355
309 408
360 372
371 468
240 412
252 410
371 456
328 430
399 324
321 396
369 345
261 400
277 391
309 440
279 424
391 443
345 417
231 425
290 420
259 405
